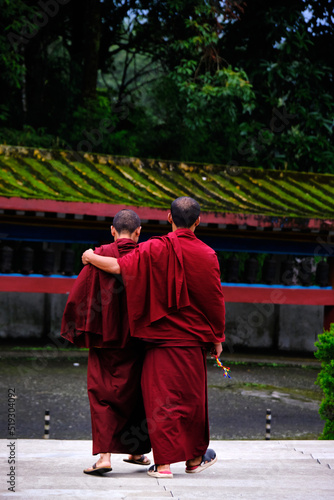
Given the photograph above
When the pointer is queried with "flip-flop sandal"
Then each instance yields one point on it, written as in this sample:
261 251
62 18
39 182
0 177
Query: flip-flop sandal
140 461
165 474
97 470
208 459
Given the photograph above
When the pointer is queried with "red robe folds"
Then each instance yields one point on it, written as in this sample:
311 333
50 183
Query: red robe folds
176 304
116 402
95 314
96 317
174 385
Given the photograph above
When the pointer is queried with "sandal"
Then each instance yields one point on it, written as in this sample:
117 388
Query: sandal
97 470
153 472
140 461
208 459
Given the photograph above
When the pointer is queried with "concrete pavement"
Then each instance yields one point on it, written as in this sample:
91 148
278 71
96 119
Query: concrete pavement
270 470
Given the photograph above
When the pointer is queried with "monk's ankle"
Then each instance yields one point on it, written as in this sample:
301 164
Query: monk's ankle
104 458
194 461
163 467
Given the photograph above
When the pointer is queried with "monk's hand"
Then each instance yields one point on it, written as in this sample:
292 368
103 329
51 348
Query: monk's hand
216 350
85 258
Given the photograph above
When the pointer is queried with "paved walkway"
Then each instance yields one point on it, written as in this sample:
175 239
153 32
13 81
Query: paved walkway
269 470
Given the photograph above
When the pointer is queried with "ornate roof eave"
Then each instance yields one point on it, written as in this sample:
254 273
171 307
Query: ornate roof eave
160 215
68 182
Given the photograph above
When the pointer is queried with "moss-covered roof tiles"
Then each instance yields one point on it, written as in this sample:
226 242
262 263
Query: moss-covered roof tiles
72 177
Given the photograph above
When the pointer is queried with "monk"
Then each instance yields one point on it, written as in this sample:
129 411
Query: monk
95 316
176 305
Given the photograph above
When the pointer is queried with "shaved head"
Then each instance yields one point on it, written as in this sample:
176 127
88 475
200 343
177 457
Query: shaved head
185 211
126 221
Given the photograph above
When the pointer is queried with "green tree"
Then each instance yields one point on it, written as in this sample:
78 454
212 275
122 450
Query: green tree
325 353
12 70
199 104
237 82
281 52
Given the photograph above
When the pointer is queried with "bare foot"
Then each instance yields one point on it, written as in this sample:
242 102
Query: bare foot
104 460
101 466
141 458
163 467
194 461
198 464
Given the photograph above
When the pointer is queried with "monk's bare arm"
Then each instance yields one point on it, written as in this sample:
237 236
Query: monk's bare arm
108 264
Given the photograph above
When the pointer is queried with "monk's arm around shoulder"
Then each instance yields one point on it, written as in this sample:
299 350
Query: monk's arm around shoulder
108 264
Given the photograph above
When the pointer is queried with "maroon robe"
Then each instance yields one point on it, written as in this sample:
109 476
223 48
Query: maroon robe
95 313
116 402
96 317
174 290
174 385
176 304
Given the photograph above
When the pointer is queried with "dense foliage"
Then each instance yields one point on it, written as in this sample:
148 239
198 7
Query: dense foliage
231 82
325 379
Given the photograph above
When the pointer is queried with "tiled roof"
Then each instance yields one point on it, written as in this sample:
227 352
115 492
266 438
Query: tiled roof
72 177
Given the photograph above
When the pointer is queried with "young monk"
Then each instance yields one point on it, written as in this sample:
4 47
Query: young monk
96 317
176 305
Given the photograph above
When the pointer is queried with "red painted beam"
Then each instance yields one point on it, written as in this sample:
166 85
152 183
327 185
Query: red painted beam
256 295
159 214
278 295
29 284
77 207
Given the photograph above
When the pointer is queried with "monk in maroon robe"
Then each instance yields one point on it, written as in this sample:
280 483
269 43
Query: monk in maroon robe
95 316
175 303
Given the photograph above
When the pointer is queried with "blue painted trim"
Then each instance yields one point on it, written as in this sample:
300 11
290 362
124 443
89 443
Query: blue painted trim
278 286
247 285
